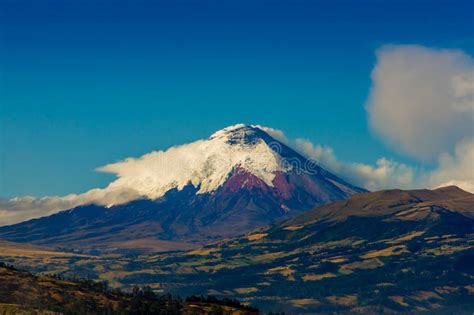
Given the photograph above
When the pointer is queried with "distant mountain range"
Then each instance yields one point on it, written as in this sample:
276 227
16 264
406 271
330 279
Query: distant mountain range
239 179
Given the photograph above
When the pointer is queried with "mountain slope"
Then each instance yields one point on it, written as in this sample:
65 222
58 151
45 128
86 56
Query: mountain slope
238 180
26 293
388 251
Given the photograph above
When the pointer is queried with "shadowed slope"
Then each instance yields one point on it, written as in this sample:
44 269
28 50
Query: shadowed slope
389 202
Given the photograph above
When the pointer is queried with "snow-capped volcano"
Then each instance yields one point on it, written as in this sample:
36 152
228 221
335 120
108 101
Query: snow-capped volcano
239 179
207 164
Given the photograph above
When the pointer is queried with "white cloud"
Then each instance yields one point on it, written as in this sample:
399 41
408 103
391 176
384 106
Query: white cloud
422 105
455 169
384 174
422 100
26 207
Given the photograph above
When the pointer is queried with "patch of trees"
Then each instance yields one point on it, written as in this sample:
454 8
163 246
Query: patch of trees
210 299
97 297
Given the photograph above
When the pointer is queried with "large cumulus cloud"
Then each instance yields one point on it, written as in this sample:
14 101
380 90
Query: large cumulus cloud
421 102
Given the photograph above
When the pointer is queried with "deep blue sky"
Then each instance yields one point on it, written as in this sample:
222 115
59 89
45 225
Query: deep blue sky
86 83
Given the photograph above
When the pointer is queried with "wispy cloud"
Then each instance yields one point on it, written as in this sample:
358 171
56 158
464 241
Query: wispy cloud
26 207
